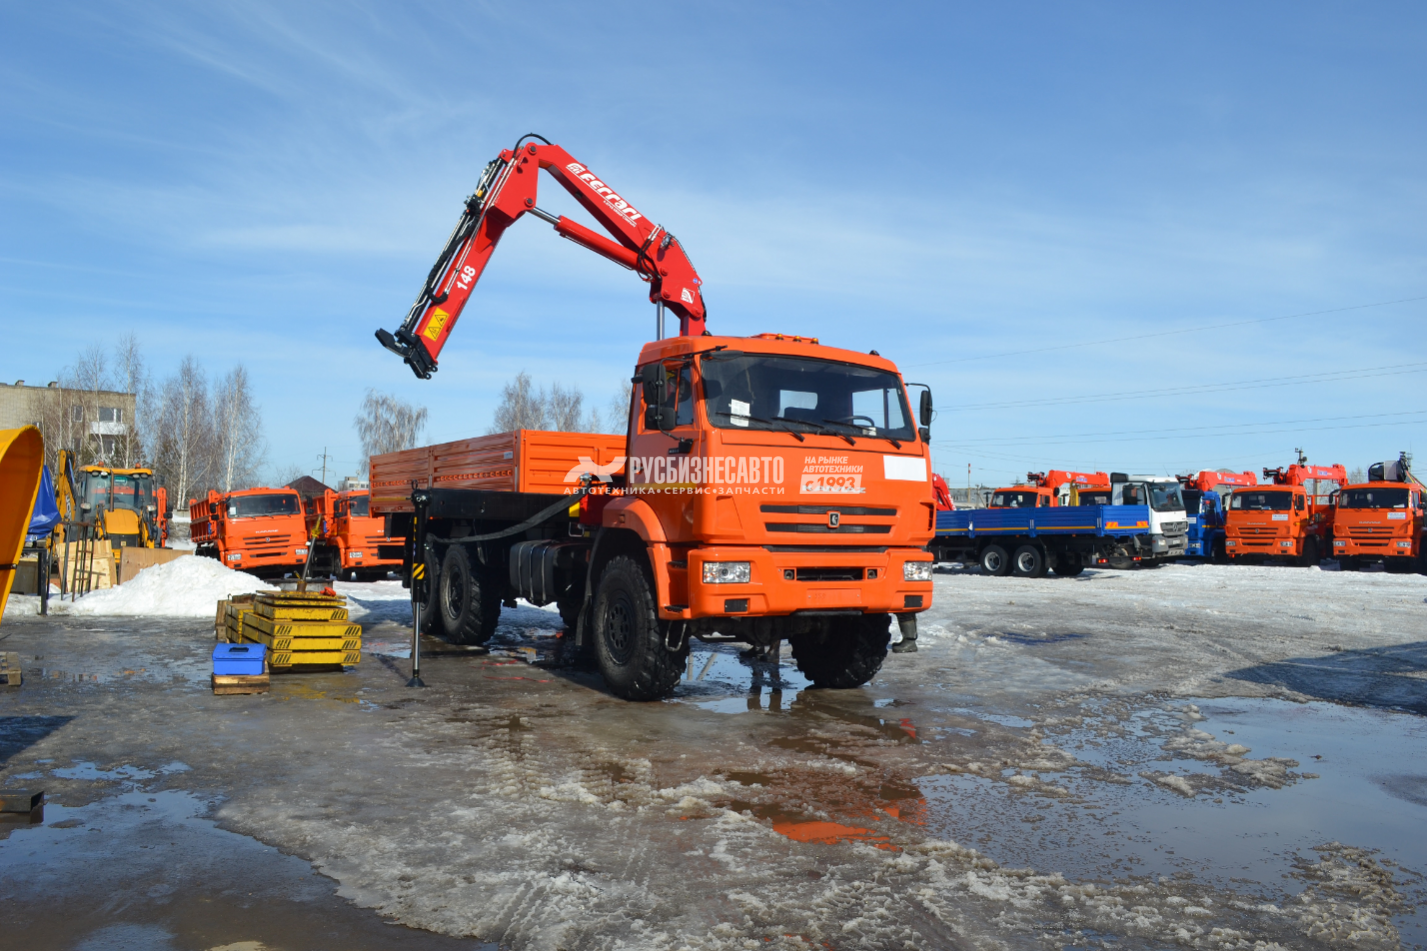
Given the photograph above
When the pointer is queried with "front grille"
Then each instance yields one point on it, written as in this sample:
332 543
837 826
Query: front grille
817 528
829 574
1368 531
1258 530
825 509
1176 528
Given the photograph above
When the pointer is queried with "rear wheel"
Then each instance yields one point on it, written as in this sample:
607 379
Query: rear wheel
1069 565
847 652
629 637
469 603
1029 562
995 561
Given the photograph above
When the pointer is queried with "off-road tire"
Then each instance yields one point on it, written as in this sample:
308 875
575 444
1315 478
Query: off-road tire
1068 566
846 653
1348 563
468 598
995 561
1029 562
1310 555
1218 555
629 638
431 622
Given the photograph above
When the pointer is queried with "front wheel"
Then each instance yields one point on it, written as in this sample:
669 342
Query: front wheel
846 652
1348 563
630 643
1309 558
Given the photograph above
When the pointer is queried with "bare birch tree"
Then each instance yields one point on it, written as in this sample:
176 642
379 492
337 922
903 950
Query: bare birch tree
184 431
616 411
238 445
387 424
525 406
130 375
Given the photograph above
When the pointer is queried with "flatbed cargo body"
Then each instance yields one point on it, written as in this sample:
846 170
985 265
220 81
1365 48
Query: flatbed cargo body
1030 541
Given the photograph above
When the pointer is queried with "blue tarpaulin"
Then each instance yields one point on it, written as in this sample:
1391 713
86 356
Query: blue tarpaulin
45 516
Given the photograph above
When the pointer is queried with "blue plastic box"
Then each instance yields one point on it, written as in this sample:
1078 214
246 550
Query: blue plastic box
242 660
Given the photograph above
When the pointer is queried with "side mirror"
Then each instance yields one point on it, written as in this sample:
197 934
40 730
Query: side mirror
926 408
654 382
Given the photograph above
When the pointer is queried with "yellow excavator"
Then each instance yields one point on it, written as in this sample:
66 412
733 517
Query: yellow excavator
22 454
123 504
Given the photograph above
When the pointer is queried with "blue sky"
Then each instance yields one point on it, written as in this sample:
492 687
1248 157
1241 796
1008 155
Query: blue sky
987 194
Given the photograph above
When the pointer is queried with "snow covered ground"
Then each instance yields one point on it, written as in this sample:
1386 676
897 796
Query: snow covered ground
1193 756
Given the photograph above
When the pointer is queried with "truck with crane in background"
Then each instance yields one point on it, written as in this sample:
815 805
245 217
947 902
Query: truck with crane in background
1204 494
1288 518
767 488
1056 487
1382 520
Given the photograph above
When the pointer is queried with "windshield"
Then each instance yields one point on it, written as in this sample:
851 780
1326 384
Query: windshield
247 506
1247 501
93 488
134 492
1191 502
1014 500
1097 497
360 506
1165 496
754 391
1372 499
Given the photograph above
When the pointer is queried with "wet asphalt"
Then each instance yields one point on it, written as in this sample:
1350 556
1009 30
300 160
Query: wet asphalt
979 789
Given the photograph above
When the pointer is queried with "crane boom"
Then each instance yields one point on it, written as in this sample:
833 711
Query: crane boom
507 190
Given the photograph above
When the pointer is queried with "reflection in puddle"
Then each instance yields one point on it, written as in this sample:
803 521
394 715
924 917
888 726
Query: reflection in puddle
1361 785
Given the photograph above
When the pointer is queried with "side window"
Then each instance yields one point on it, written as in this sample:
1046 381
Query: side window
1298 502
678 395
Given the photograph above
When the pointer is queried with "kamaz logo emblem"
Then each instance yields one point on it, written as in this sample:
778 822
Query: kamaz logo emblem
834 519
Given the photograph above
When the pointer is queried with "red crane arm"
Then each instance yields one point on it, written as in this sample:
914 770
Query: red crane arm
508 190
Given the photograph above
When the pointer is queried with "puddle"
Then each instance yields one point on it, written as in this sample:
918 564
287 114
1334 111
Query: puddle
182 882
1363 783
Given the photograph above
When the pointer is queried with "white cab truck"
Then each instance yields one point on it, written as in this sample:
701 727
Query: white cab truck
1166 536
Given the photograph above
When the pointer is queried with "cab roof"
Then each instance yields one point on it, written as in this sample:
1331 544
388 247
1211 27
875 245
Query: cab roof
769 343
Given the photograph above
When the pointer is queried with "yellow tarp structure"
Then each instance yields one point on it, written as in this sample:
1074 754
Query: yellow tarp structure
22 453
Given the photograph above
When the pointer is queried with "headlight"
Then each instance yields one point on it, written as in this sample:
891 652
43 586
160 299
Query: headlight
1337 542
1404 544
1285 543
917 571
302 552
726 572
235 556
1231 542
356 554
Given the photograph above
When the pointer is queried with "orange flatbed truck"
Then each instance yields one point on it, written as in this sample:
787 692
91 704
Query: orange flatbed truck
261 531
766 488
1382 520
1281 519
349 540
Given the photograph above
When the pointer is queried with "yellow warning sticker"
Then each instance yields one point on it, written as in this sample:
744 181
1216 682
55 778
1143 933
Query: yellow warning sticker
435 323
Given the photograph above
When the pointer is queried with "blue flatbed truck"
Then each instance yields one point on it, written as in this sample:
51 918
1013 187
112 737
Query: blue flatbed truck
1029 542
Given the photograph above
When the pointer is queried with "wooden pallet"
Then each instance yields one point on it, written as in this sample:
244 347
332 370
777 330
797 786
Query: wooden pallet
225 684
11 675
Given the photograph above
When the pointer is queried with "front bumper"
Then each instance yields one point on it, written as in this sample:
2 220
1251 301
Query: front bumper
791 582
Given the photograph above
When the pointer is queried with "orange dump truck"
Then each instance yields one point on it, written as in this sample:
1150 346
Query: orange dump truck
350 541
1283 520
768 488
1381 520
260 531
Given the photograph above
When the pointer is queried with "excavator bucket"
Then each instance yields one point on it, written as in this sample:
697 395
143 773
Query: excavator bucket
22 454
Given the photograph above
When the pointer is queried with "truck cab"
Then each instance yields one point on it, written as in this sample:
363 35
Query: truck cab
349 539
1045 489
1379 522
1287 519
1166 536
261 531
124 505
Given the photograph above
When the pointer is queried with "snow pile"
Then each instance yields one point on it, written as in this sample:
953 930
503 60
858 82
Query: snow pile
185 587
